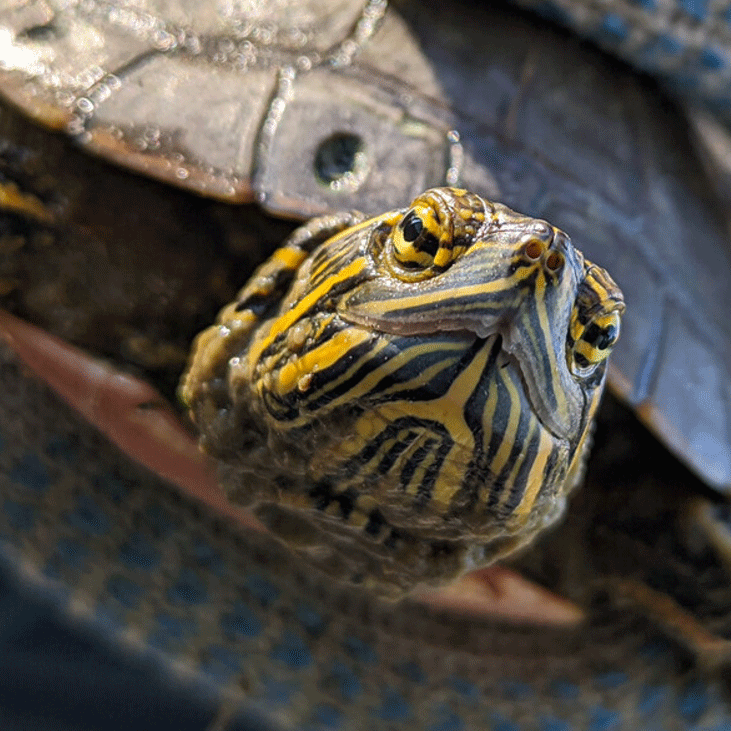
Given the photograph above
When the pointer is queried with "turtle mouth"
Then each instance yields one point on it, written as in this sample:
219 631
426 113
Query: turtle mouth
535 378
493 334
506 359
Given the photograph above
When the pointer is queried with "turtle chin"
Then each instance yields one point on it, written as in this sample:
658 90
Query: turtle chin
530 390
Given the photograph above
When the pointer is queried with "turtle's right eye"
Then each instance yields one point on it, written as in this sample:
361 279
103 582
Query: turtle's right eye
438 227
593 341
595 322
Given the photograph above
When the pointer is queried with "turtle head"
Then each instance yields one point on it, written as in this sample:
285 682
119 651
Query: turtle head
424 389
454 262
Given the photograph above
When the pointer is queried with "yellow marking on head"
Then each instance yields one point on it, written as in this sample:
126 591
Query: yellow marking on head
511 479
352 269
289 257
451 475
319 358
511 428
575 329
593 342
488 412
445 255
390 218
448 410
536 476
230 319
287 319
339 451
418 236
441 298
417 479
357 519
369 382
426 375
365 384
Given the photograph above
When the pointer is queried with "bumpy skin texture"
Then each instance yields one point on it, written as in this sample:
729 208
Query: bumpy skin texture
411 398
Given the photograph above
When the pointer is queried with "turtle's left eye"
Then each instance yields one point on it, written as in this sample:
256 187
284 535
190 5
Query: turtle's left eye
415 244
593 341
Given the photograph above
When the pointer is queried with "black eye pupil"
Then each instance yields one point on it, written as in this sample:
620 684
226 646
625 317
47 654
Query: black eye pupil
607 337
600 338
411 227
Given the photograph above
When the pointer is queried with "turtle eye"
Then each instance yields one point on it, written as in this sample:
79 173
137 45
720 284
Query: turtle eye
415 244
593 341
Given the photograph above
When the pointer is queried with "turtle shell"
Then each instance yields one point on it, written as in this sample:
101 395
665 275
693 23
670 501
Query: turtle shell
311 107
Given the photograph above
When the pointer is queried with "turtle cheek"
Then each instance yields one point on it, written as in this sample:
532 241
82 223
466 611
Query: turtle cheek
434 434
478 293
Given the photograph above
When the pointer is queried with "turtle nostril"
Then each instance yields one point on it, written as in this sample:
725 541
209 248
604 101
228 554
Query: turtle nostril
534 249
554 261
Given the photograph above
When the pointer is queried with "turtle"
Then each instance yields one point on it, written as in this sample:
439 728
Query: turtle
367 394
393 112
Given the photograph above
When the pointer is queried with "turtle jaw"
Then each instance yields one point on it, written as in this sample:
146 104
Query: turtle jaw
508 360
506 334
63 367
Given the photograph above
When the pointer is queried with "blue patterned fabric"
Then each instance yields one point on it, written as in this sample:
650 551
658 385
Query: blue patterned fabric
61 677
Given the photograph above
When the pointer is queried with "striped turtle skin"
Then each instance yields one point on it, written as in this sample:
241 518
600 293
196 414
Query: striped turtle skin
408 397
